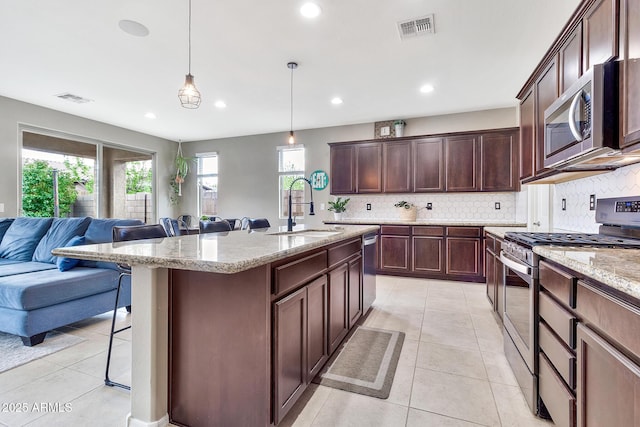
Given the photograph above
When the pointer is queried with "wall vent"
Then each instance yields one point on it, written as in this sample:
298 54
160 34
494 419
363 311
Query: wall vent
73 98
416 27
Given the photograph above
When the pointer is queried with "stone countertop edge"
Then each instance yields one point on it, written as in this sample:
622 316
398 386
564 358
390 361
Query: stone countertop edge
238 251
617 268
471 223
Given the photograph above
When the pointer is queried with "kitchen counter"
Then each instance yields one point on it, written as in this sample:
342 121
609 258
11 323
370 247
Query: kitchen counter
228 253
500 231
445 222
617 268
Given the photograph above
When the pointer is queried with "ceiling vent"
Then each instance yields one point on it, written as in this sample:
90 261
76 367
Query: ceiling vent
73 98
416 27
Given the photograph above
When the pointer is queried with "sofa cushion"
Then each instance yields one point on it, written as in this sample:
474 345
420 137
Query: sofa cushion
24 267
101 231
66 264
59 234
4 261
22 237
4 226
45 288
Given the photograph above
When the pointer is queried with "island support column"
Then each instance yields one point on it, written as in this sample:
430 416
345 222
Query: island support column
149 347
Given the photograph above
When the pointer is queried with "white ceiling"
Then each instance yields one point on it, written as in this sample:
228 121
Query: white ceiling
479 58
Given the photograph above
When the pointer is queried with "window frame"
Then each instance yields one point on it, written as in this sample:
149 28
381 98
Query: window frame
282 173
199 176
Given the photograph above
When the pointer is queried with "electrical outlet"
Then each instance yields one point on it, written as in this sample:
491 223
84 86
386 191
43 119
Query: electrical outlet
592 202
564 204
321 206
368 206
497 206
429 206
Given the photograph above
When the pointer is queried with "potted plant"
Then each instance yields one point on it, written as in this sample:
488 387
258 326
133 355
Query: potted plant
408 211
338 206
399 127
182 169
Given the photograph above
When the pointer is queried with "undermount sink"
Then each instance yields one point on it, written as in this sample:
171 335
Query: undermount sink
307 233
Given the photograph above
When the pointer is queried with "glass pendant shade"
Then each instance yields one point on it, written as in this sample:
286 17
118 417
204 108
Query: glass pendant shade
188 94
292 139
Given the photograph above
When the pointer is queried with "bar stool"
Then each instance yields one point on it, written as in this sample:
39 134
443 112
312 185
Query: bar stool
214 226
122 234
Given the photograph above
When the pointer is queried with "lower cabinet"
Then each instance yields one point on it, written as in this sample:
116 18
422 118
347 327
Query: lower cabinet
338 300
395 253
464 254
317 345
494 274
355 291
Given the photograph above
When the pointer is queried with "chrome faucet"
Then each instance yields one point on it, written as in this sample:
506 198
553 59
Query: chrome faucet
290 221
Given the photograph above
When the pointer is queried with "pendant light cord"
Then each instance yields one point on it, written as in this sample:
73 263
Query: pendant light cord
291 124
189 36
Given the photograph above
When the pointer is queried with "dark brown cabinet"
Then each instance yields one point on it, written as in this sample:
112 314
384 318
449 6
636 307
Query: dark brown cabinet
571 59
498 160
394 253
630 72
464 255
600 35
527 135
428 165
343 169
461 163
338 300
428 250
317 348
494 274
546 92
397 168
355 291
369 168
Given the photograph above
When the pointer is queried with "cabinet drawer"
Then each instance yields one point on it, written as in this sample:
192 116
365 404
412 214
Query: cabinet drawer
559 400
296 273
617 319
428 231
398 230
464 231
559 283
562 359
341 252
559 320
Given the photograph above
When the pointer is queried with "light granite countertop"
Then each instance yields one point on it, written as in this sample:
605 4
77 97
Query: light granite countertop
500 231
617 268
229 252
445 222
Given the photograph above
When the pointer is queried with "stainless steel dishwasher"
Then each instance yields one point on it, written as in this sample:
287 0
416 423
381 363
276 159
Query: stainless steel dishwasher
369 271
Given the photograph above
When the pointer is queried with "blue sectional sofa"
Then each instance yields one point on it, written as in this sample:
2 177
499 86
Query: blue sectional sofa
40 292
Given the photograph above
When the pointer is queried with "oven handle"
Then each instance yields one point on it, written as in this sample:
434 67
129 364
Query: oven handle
515 266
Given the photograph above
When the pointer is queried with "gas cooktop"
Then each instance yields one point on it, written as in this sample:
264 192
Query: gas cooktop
531 239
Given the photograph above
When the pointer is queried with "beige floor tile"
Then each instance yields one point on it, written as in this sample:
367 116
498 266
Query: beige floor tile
409 352
498 369
443 303
306 409
27 373
403 319
418 418
444 334
400 393
349 409
79 352
513 409
452 360
96 365
449 318
444 284
468 399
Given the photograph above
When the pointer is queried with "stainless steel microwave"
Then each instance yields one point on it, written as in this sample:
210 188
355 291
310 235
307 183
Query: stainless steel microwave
581 127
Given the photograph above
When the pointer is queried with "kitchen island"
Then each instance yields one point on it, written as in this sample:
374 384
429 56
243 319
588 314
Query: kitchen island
230 328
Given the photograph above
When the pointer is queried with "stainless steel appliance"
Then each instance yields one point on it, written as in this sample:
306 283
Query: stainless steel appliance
369 271
620 228
581 127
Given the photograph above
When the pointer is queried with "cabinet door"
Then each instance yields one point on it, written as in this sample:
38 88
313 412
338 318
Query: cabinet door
317 345
338 298
571 59
369 168
343 170
630 82
499 272
499 161
463 256
355 291
290 351
397 167
428 165
461 159
490 274
546 92
608 391
394 253
600 33
527 135
428 254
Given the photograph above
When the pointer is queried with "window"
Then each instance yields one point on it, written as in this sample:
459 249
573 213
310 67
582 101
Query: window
290 167
208 183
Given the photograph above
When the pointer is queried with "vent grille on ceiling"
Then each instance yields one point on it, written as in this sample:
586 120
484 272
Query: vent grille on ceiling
416 27
73 98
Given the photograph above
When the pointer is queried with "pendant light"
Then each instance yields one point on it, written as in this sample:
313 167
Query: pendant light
292 66
189 96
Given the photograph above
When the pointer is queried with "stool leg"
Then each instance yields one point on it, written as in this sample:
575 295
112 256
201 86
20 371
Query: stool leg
107 381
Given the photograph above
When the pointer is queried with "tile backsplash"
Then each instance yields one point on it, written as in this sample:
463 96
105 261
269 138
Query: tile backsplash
457 206
622 182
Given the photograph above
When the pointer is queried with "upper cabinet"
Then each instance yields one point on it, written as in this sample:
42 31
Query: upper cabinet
455 162
546 92
528 135
570 59
600 23
630 81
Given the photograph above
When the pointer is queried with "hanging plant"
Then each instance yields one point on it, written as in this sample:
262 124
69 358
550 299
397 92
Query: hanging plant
182 170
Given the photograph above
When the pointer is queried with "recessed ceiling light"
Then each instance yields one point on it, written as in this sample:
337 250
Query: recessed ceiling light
133 28
426 89
220 104
336 101
150 116
310 10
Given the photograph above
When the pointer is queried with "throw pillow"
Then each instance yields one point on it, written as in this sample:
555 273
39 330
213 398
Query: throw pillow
65 264
22 237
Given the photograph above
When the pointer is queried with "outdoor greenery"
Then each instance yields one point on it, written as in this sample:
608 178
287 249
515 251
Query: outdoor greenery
139 177
80 172
288 179
37 190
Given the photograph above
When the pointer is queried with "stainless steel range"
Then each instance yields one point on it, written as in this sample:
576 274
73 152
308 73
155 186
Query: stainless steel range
620 228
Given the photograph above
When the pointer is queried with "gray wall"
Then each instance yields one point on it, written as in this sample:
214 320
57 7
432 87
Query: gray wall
248 177
15 113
